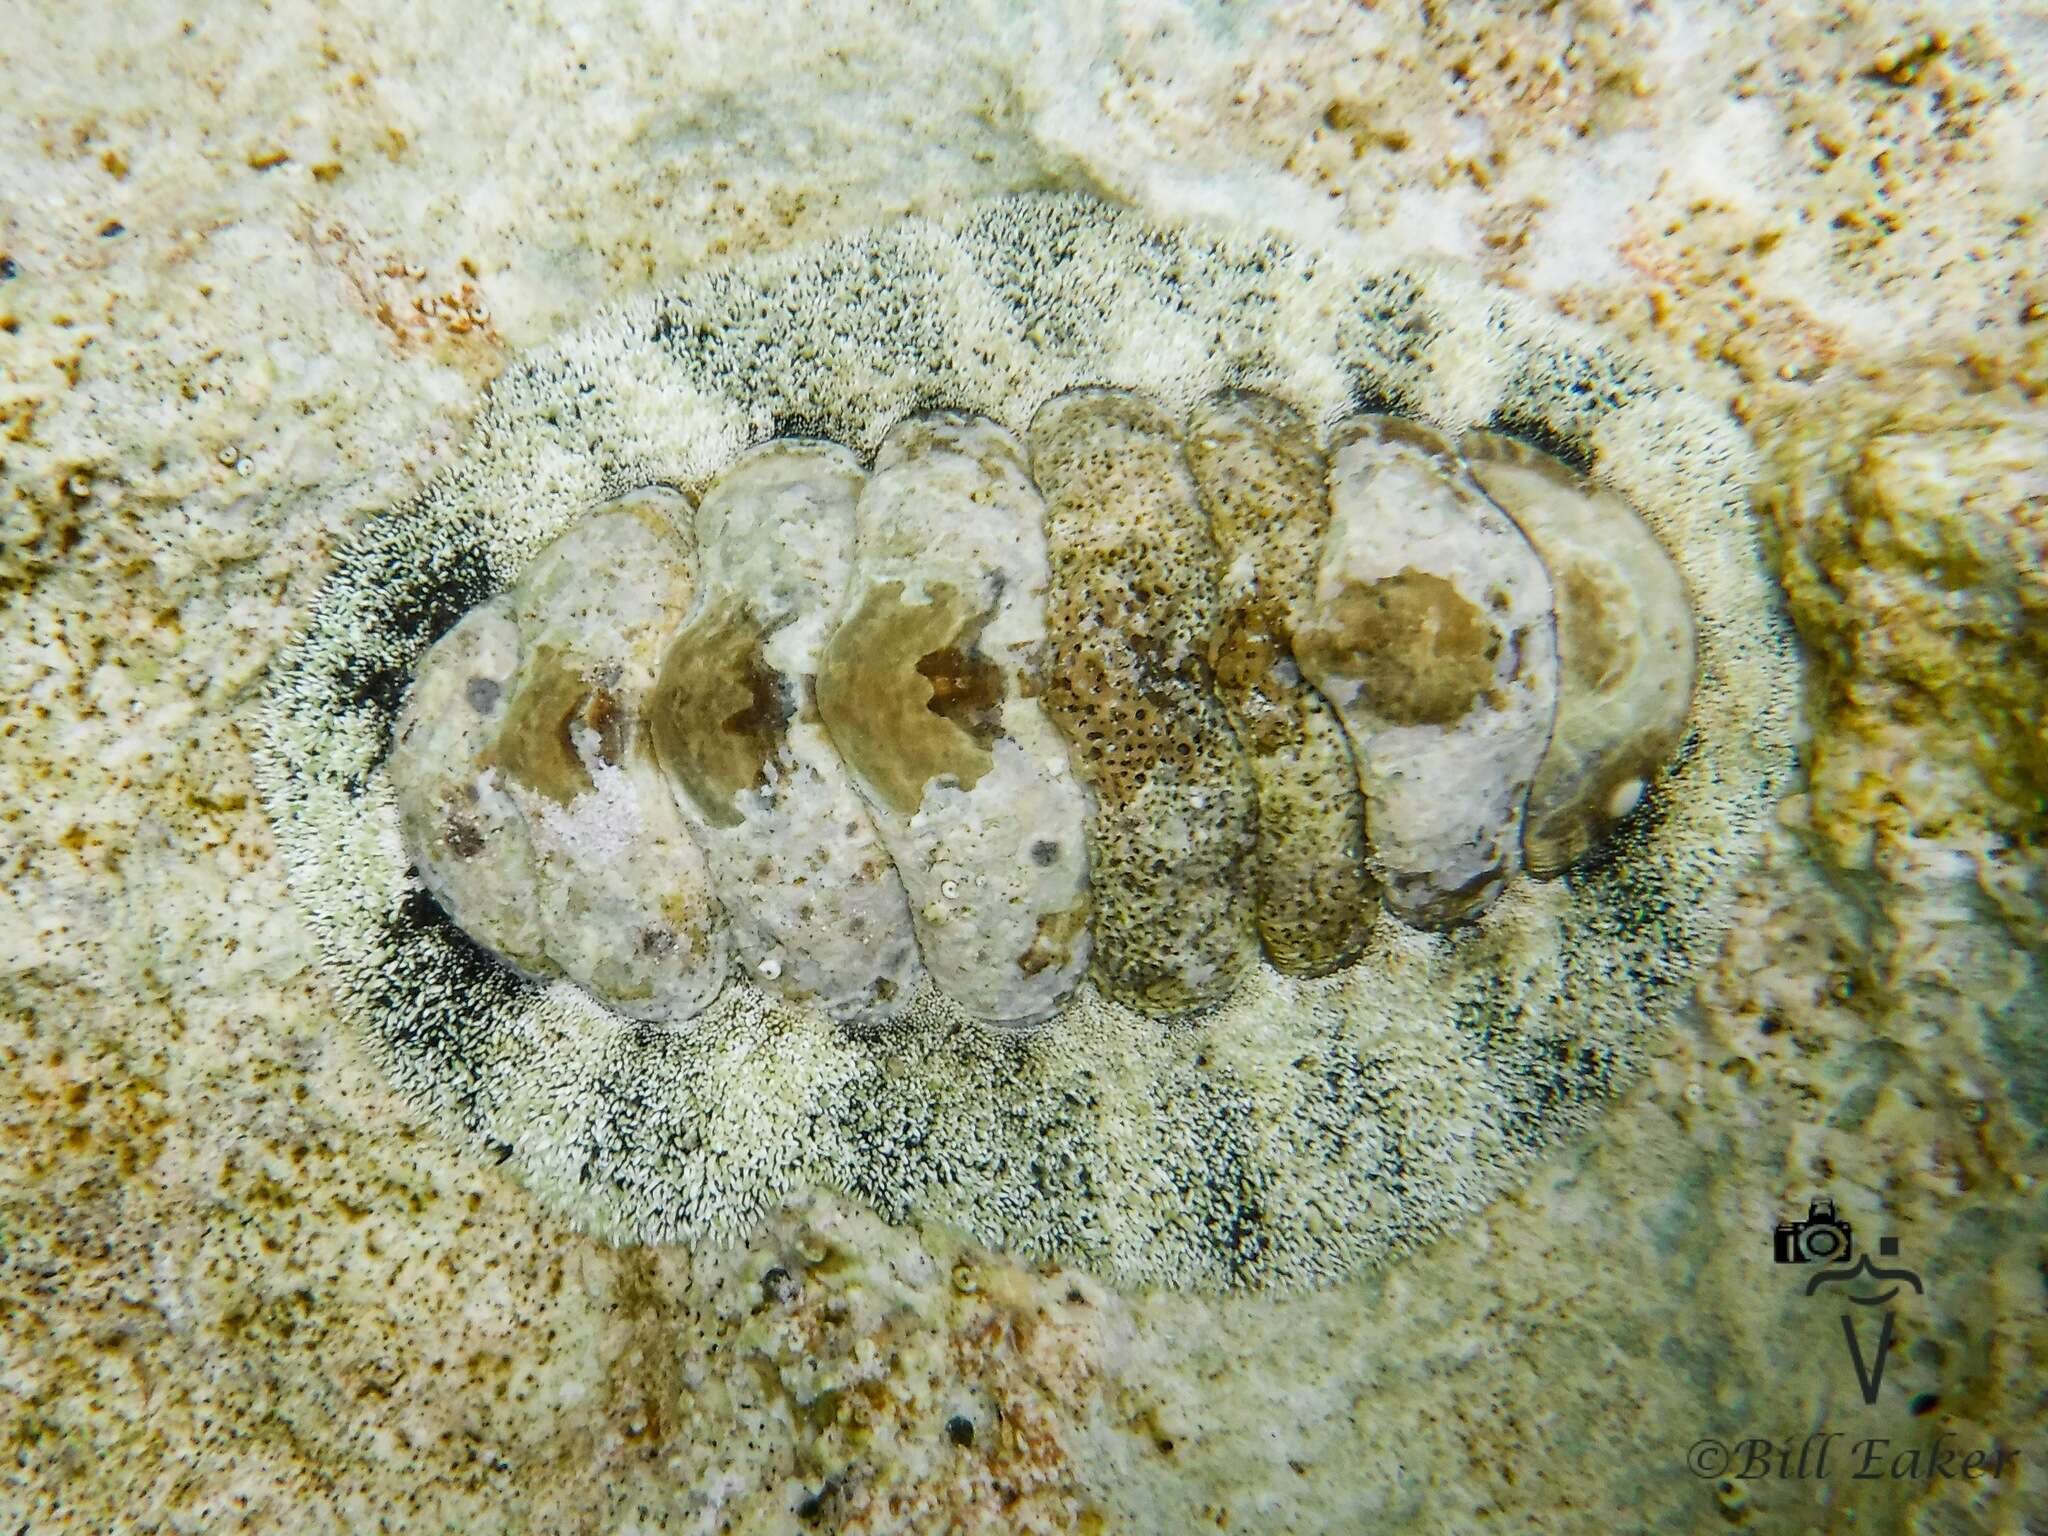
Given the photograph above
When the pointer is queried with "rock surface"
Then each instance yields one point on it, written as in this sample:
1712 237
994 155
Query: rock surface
255 265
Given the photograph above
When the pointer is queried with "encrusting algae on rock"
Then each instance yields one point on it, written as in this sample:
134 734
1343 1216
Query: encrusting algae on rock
1910 504
1040 689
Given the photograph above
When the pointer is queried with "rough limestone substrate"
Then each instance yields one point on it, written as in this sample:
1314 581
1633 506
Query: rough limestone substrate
1306 1129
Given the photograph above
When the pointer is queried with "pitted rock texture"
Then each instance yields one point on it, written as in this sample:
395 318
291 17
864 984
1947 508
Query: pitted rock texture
1910 501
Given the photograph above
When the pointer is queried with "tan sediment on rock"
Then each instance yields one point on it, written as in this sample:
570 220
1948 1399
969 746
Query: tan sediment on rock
1261 479
929 687
816 909
1431 633
1626 650
1897 212
1910 500
1129 622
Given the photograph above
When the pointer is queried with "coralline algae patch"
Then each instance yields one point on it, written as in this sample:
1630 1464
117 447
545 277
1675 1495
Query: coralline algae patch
1108 736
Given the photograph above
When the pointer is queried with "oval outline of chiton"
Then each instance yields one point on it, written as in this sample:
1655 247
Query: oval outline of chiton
1304 1128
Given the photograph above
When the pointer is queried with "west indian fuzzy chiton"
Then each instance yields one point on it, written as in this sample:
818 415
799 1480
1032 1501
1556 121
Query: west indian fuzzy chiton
1115 737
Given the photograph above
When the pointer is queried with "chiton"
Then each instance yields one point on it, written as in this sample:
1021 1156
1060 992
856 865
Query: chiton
1173 751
